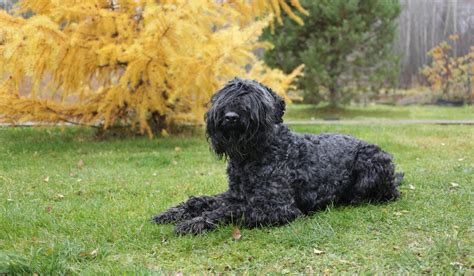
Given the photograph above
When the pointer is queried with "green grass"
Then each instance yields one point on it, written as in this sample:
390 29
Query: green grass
307 112
56 217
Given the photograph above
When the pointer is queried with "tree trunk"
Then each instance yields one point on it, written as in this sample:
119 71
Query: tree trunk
157 122
333 96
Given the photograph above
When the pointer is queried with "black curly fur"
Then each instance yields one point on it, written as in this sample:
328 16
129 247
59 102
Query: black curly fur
276 175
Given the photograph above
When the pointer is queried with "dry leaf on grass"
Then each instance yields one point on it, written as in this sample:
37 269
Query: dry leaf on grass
400 213
92 253
457 264
236 235
59 197
318 252
454 185
80 164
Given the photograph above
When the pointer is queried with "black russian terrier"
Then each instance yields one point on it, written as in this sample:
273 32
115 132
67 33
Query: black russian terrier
276 175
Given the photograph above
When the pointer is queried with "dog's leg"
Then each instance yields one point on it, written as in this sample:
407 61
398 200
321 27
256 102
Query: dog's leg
376 180
193 207
268 215
209 220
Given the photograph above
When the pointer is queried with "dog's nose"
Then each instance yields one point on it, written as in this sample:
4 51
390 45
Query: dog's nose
231 117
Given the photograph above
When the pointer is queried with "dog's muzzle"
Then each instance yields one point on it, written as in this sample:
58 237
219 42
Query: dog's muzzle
231 118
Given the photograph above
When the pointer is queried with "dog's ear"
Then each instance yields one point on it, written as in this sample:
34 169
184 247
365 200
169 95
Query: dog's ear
279 105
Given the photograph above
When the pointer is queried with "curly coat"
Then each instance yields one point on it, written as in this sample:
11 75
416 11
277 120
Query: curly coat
276 175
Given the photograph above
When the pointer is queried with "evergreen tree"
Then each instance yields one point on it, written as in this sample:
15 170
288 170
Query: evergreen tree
343 44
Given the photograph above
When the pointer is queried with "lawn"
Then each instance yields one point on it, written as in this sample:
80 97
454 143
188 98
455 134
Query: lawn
379 112
72 204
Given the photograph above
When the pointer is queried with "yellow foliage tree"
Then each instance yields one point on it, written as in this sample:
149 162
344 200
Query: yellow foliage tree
450 74
140 63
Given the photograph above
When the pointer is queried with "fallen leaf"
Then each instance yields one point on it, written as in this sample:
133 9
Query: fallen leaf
427 270
318 252
174 162
80 164
236 235
59 196
411 187
400 213
454 185
177 149
92 253
46 179
164 133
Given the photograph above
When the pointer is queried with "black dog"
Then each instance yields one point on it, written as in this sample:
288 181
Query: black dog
276 175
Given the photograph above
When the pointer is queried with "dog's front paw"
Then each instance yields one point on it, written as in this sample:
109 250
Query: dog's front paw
170 216
194 226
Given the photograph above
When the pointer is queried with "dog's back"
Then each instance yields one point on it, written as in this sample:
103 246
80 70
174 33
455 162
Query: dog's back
343 169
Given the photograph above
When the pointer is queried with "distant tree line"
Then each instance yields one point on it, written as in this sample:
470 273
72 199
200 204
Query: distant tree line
423 24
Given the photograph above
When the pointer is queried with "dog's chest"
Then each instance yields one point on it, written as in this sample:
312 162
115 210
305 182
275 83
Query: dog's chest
253 177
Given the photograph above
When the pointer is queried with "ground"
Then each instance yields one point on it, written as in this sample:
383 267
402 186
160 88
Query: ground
70 204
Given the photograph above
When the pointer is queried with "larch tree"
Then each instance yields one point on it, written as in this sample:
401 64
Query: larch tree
145 64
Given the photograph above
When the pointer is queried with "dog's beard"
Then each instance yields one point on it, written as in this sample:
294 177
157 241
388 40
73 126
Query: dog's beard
239 142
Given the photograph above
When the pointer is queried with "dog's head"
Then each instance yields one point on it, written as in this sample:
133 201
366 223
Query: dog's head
241 116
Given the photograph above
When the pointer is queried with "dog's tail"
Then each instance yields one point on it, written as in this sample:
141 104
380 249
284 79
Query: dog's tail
399 178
